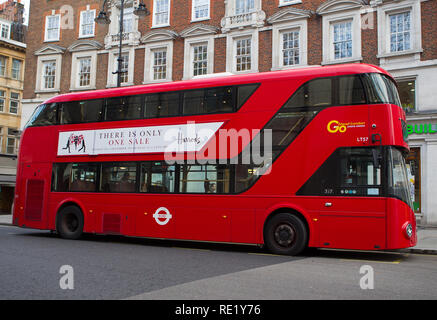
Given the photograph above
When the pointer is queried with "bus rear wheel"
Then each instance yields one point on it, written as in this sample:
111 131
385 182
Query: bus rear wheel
285 234
70 223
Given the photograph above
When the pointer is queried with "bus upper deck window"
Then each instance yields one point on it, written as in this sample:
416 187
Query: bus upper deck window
81 111
48 115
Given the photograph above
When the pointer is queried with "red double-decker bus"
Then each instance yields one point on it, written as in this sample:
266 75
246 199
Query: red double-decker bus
312 157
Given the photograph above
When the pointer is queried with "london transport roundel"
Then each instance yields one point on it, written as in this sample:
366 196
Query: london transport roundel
158 216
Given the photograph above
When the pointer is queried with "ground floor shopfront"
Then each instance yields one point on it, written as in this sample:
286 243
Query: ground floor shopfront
8 167
422 166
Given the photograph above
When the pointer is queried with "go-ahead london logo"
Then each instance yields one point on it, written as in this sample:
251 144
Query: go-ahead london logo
166 216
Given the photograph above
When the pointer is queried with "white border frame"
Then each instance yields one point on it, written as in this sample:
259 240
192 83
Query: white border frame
81 36
148 64
46 28
154 25
193 19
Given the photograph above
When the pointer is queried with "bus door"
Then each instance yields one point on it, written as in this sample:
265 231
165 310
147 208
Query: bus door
35 183
351 206
355 218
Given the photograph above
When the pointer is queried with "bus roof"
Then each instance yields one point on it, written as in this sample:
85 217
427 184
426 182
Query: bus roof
227 80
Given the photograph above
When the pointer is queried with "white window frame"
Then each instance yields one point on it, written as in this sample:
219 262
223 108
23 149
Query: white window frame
113 66
278 30
39 87
333 26
283 3
45 75
46 35
231 50
154 24
193 11
75 70
189 45
8 33
384 13
81 23
328 22
148 65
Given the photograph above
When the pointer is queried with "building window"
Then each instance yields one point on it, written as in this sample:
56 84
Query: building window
3 61
161 13
407 94
200 59
124 78
49 74
84 66
400 32
290 48
5 30
16 69
128 20
2 101
11 147
244 6
14 102
52 28
243 54
159 64
342 40
87 24
200 10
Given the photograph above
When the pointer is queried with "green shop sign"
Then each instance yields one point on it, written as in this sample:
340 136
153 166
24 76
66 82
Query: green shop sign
421 128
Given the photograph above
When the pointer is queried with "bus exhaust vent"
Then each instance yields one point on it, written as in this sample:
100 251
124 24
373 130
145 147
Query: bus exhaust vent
111 223
34 200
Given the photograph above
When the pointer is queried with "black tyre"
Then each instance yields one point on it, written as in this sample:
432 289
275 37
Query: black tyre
285 234
70 223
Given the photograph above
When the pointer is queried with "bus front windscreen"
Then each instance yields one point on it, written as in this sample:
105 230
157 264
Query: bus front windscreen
398 184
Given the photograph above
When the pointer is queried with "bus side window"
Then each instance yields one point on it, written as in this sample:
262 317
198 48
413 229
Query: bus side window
81 111
124 108
83 177
350 91
347 172
315 93
47 116
120 177
161 105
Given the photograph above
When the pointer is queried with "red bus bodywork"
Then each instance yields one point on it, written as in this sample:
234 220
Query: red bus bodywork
365 223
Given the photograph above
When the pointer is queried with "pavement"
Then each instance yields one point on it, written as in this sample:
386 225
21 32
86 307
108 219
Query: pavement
426 238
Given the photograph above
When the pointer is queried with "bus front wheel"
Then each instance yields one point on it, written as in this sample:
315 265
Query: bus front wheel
70 223
285 234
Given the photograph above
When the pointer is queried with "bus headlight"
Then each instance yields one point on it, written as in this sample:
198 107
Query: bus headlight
409 230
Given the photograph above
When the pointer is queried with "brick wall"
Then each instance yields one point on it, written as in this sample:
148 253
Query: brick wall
181 19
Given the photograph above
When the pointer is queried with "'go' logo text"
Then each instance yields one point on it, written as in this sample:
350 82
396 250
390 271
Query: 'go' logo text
334 126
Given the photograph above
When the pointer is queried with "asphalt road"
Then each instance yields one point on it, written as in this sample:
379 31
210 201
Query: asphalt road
110 267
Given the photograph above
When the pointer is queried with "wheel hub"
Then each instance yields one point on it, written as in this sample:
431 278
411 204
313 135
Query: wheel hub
285 235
